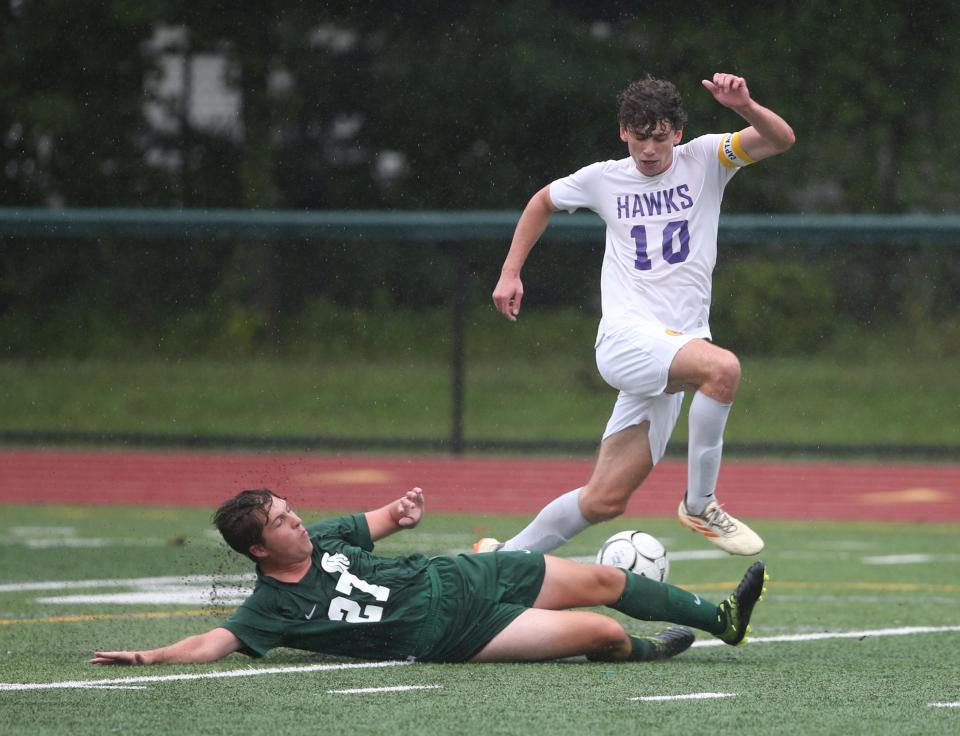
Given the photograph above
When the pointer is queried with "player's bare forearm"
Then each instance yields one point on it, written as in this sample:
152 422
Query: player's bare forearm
404 513
199 649
508 293
768 133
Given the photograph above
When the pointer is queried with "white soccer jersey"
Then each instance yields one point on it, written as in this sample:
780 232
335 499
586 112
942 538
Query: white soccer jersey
661 233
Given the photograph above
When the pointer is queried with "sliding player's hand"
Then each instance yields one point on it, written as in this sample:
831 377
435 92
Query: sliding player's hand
410 508
124 658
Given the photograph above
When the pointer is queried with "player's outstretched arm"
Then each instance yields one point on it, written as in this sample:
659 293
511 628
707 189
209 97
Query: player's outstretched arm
404 513
533 221
768 134
215 644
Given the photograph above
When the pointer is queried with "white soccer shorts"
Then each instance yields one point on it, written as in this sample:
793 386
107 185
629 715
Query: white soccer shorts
636 361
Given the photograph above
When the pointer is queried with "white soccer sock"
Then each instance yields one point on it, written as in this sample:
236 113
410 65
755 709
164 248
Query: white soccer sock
558 522
707 419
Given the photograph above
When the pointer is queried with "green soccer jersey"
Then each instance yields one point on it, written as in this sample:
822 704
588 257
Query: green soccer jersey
350 603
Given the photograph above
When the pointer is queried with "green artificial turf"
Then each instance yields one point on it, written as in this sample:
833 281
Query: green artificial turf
826 577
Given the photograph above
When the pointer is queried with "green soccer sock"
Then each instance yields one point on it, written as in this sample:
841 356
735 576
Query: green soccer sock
650 600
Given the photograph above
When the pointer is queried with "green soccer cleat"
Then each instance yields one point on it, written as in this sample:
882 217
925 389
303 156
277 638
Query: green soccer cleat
738 607
668 643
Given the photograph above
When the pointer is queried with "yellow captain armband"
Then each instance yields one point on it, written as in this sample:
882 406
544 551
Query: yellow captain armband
731 153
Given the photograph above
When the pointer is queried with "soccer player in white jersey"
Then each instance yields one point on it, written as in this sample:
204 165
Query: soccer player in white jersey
661 206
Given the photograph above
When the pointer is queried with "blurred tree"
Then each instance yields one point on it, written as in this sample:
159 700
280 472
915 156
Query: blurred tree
71 104
466 105
876 91
439 105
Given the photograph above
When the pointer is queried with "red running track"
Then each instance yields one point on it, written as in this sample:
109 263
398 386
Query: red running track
756 489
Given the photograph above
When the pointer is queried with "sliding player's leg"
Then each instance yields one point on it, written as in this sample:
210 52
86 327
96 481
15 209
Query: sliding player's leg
538 635
569 584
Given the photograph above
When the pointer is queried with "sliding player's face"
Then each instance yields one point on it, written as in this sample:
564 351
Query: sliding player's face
284 536
652 153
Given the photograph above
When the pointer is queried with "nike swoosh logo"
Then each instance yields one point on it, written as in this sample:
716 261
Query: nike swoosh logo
310 615
696 600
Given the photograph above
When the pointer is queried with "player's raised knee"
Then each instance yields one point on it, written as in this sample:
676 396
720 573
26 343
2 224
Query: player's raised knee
725 376
726 367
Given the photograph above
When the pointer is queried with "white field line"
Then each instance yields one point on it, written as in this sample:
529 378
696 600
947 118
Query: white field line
826 554
903 631
160 596
248 672
90 542
691 554
253 672
884 600
944 705
911 559
123 583
395 689
689 696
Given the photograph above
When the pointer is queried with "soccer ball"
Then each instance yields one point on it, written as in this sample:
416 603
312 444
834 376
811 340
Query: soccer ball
637 552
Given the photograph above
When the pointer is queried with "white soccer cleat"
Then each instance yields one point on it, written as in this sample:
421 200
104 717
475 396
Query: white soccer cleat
487 544
728 533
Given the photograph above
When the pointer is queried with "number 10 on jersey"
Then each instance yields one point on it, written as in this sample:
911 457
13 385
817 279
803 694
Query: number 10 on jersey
677 230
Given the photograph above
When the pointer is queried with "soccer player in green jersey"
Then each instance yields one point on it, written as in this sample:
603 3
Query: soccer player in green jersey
320 588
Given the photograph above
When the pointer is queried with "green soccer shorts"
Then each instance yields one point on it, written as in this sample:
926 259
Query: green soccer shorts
479 595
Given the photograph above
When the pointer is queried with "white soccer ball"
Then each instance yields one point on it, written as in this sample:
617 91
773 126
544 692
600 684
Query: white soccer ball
637 552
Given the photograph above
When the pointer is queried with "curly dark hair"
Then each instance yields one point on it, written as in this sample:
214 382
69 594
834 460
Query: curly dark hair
241 519
646 103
